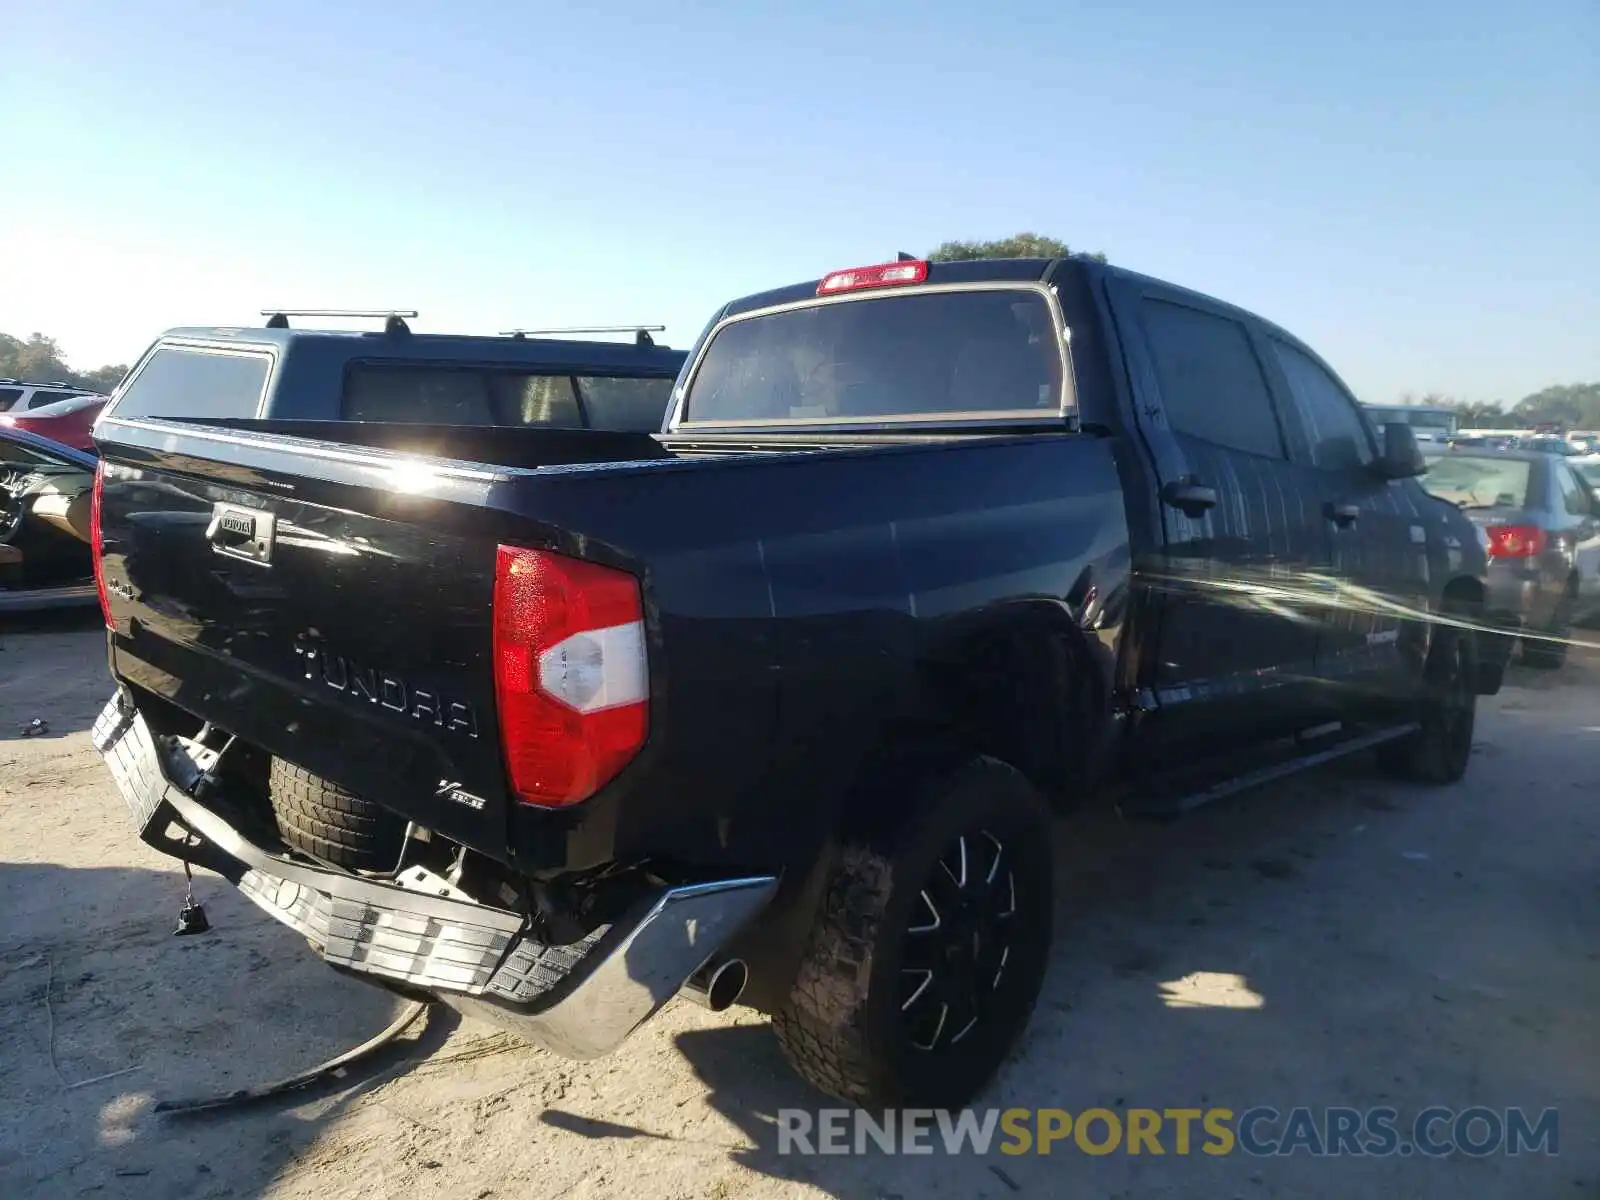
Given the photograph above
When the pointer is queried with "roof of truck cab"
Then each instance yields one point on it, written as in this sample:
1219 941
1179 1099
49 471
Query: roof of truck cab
439 347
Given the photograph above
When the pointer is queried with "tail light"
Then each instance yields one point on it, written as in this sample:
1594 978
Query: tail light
97 543
893 274
570 672
1515 541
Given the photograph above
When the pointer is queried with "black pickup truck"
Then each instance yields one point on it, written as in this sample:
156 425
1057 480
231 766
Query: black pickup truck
774 705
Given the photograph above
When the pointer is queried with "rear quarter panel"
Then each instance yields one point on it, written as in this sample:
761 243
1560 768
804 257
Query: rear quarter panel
845 572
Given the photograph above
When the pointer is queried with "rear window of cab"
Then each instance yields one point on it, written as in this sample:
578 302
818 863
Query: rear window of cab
946 354
193 382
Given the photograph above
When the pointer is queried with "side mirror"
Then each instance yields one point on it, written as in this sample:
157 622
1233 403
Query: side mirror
1401 457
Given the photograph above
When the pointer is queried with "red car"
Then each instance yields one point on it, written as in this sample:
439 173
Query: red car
69 422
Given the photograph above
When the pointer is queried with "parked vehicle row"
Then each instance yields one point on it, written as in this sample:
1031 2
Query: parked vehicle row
394 376
772 701
67 422
1542 521
20 396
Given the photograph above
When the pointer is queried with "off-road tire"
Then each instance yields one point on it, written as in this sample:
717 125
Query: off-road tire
1548 651
1439 750
330 824
843 1026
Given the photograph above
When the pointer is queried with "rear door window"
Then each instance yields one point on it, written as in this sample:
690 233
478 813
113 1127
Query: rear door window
41 398
1339 436
9 396
184 381
630 405
941 354
1212 386
519 399
416 394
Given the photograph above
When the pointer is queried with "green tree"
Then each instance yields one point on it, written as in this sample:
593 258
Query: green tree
1572 405
1483 415
39 360
1018 245
101 379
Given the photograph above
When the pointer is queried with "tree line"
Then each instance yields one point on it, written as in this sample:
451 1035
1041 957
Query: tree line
38 359
1570 405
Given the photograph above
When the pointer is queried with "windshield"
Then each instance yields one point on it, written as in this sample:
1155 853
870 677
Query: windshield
1477 481
928 354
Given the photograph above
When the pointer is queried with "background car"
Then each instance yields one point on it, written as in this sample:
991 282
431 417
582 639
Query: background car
1548 443
46 490
1589 467
1542 521
19 396
69 422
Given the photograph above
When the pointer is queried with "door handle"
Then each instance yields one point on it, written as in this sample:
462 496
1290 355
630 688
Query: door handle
1190 498
1344 515
240 532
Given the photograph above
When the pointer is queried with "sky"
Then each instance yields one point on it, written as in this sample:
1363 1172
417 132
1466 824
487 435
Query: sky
1412 187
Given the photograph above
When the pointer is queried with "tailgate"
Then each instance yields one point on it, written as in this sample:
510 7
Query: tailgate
331 606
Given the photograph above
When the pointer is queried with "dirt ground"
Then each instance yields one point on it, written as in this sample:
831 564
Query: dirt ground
1333 940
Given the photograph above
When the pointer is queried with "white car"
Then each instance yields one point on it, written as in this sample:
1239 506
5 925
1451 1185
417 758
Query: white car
18 396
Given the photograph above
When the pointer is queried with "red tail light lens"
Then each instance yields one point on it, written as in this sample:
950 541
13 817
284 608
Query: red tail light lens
883 275
570 672
97 544
1515 541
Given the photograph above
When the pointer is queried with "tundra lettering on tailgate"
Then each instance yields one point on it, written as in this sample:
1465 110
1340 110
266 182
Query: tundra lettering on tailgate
388 691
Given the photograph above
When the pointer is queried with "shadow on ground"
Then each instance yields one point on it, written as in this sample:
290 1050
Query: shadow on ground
103 1013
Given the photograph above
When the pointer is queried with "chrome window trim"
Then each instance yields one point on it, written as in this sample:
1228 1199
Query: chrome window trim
1066 408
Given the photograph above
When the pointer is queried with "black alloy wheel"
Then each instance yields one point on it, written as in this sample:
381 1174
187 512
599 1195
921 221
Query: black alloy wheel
954 958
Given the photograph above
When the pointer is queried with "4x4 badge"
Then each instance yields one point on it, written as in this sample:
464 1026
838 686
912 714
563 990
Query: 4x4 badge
449 789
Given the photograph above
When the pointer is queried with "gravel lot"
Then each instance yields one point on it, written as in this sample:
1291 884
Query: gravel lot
1334 940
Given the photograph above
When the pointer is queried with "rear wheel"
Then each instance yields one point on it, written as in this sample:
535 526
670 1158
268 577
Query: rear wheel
1438 751
928 954
327 822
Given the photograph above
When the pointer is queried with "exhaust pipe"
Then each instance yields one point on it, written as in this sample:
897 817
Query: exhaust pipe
718 985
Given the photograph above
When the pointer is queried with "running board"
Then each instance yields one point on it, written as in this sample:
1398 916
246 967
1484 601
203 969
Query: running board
1301 753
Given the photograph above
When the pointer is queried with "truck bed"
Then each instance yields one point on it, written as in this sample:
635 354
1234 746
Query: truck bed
361 649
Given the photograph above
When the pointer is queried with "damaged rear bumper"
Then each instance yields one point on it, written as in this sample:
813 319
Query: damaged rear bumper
578 1000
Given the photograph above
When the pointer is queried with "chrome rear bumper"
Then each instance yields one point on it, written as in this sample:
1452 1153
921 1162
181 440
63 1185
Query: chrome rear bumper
579 1000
